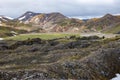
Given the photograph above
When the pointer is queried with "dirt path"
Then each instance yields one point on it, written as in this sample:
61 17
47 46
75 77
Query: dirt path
99 34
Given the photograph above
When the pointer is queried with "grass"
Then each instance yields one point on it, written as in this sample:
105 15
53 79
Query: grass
45 36
99 28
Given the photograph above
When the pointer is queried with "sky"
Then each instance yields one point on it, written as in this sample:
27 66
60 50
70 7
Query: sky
70 8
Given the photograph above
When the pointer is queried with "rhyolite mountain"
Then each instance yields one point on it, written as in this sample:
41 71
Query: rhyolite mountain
57 22
50 22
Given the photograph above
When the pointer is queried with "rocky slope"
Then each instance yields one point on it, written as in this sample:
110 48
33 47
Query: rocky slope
87 58
7 32
4 20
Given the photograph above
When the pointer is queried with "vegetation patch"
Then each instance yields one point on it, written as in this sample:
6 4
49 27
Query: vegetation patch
45 36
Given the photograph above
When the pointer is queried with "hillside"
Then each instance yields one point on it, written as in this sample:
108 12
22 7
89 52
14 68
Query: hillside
104 23
7 31
4 20
115 29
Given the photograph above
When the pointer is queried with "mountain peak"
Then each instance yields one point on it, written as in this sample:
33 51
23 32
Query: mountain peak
108 15
27 15
29 12
57 14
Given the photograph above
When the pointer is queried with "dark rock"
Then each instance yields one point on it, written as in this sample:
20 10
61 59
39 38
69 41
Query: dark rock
26 42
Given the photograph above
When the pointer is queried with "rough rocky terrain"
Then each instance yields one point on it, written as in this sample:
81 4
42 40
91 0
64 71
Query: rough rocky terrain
83 58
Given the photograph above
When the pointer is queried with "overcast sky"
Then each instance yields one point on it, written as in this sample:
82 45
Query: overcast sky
81 8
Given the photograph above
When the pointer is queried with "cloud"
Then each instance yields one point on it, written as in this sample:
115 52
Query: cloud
82 8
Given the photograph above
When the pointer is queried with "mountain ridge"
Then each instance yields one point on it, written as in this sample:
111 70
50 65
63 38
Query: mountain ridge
57 22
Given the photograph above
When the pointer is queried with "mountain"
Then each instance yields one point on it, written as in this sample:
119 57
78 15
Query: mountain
8 24
54 22
103 23
26 16
57 22
51 17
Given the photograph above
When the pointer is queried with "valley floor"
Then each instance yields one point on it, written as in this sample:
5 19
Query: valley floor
59 35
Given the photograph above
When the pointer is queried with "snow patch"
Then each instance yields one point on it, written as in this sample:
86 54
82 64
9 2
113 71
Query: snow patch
22 18
30 13
1 38
8 17
14 32
117 77
2 17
